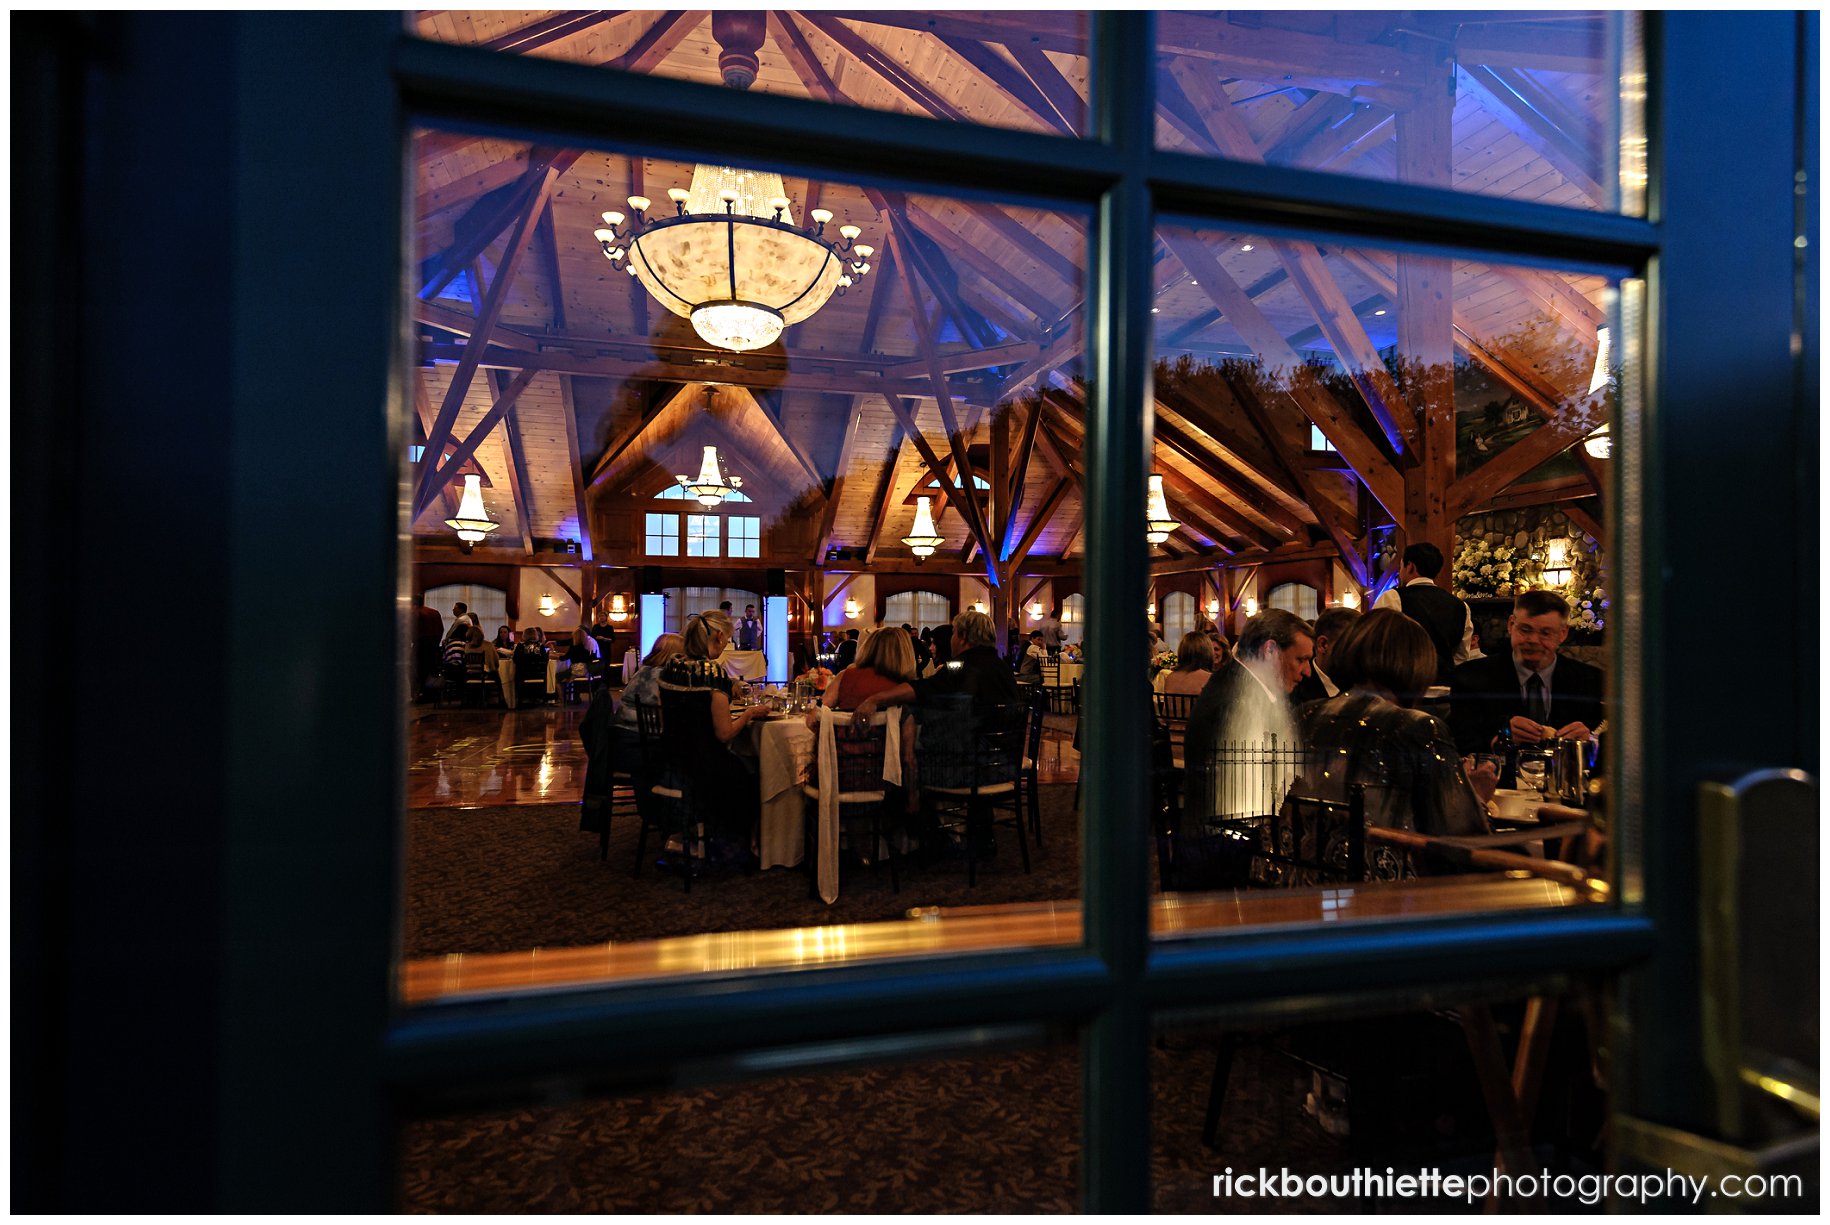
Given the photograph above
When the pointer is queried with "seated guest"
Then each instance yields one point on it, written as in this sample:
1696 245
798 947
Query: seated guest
886 661
924 648
1528 693
1328 629
618 738
1194 666
699 730
1029 670
943 645
505 639
581 653
480 651
976 672
1369 733
460 623
1242 724
453 657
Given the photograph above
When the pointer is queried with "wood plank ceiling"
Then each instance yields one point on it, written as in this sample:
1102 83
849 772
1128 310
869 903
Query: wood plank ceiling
587 391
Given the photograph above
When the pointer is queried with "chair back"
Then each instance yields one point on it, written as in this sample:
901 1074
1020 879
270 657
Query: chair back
961 747
1314 841
860 753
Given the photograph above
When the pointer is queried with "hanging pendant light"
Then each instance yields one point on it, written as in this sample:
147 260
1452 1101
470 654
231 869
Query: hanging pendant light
710 488
1251 606
619 608
852 608
923 539
547 606
472 523
1156 511
1350 598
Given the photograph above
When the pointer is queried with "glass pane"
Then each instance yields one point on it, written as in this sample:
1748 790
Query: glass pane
1008 70
1548 107
1329 1109
847 441
1417 613
991 1131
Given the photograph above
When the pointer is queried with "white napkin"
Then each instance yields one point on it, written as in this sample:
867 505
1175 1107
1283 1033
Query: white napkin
828 750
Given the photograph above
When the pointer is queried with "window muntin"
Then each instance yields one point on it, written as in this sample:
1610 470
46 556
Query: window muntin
743 535
1179 615
1298 598
663 537
921 609
702 535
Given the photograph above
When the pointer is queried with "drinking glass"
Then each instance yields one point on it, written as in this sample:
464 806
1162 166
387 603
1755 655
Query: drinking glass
1531 775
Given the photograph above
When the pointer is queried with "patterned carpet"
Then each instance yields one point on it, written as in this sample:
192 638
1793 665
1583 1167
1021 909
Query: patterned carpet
485 880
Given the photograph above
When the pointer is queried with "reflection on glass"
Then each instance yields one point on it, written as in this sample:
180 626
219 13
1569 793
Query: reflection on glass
1546 107
1023 70
1382 474
713 524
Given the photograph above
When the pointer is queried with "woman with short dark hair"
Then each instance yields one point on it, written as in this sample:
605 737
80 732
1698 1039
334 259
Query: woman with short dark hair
1369 734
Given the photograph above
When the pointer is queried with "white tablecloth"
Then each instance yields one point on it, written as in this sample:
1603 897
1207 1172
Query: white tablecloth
783 748
745 665
1070 672
505 668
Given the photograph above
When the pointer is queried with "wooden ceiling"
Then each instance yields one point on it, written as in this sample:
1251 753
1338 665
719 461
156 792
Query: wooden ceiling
966 338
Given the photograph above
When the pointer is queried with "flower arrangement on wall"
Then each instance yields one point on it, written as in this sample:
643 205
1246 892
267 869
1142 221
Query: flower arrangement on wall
1500 554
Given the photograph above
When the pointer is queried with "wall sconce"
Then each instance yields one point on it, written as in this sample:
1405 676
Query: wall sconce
1213 610
547 606
1150 609
1556 562
1251 606
1035 611
619 609
978 606
1350 598
852 608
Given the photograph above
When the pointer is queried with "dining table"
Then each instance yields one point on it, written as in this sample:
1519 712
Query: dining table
745 665
505 668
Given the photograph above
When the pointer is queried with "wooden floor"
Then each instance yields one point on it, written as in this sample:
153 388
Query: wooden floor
471 758
467 758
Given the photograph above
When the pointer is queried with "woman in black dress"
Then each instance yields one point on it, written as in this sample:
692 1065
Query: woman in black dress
700 731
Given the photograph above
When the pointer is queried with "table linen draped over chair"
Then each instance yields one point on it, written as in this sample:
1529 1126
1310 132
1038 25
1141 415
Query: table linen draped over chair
830 795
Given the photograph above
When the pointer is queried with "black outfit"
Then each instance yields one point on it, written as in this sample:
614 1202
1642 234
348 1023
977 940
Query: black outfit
980 672
1308 690
723 785
749 634
596 730
1406 758
848 652
1485 695
1444 617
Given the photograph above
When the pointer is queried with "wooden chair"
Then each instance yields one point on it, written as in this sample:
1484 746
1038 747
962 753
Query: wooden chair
862 794
1030 776
970 769
660 793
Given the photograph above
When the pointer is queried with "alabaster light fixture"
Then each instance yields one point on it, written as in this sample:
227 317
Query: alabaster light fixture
1556 570
711 487
731 258
472 523
547 606
1600 444
922 538
1150 610
852 608
1157 512
1213 610
619 608
1350 598
1035 611
1251 606
978 606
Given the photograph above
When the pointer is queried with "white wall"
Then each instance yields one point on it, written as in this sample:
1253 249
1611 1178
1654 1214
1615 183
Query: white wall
862 589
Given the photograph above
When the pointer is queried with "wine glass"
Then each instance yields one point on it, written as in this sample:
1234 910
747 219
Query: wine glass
1531 775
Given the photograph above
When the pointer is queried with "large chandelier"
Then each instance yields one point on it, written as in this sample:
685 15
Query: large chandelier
1157 512
709 487
922 539
472 522
731 258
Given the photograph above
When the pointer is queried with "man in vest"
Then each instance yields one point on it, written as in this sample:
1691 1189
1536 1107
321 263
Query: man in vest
1447 619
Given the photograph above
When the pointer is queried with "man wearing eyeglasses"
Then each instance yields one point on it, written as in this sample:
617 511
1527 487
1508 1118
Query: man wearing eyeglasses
1530 693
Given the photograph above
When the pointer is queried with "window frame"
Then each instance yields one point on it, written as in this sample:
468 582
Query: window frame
1111 985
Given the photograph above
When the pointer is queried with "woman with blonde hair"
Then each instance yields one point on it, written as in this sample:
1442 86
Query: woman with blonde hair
887 659
700 729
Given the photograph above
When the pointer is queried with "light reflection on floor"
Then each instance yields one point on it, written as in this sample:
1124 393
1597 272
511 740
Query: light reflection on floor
473 758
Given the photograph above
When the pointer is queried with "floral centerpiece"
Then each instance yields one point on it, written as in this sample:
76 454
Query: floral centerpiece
815 678
1071 652
1166 662
1588 609
1482 569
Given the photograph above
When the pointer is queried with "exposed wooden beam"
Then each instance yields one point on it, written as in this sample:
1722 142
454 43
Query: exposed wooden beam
1280 361
847 457
960 500
771 413
468 188
1005 76
657 42
1538 493
536 186
575 461
885 488
1481 488
567 587
632 429
1587 522
465 450
886 66
516 464
1512 99
1426 332
1059 91
1045 512
1019 476
549 249
547 30
422 421
495 300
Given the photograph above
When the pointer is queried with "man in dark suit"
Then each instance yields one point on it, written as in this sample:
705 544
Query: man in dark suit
1448 621
1319 686
848 651
1241 733
1529 692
